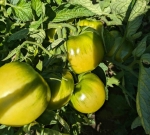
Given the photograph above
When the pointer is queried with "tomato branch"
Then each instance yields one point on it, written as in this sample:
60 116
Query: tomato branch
123 67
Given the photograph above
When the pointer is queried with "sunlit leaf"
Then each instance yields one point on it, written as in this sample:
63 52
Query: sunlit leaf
37 6
23 10
135 18
66 13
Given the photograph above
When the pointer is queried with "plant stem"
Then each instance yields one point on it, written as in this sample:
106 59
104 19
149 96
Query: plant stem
39 45
127 68
61 25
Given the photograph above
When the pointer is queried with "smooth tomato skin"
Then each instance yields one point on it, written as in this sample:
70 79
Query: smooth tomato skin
95 24
61 91
89 94
51 34
85 51
24 94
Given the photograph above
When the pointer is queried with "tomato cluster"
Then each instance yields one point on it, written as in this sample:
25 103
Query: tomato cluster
27 92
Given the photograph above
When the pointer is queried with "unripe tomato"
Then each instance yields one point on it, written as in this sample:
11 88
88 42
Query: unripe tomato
51 33
85 51
121 49
24 94
89 94
61 90
97 25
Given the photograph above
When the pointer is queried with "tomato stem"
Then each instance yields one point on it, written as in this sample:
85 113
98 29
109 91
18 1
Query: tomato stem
61 25
127 68
39 45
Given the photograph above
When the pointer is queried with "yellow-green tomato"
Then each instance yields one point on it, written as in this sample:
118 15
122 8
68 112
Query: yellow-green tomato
24 94
89 94
61 90
95 24
85 51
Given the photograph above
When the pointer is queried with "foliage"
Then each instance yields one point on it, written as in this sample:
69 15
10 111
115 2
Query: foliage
23 37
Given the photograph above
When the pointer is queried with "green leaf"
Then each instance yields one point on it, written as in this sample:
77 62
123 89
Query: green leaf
112 81
38 35
63 122
19 35
70 13
135 18
143 94
120 7
95 8
37 6
47 117
35 24
23 10
136 123
14 2
48 131
13 52
141 47
58 2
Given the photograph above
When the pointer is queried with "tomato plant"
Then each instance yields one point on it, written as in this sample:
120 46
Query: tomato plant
23 93
89 94
107 38
61 90
84 49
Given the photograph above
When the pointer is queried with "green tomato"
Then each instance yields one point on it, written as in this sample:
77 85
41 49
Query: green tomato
89 94
61 90
51 33
24 94
121 49
124 52
95 24
85 51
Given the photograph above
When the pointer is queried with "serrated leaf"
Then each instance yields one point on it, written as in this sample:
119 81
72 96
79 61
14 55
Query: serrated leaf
12 53
136 123
112 81
95 8
23 10
120 8
141 47
67 14
19 35
38 35
135 18
143 94
104 4
37 6
48 131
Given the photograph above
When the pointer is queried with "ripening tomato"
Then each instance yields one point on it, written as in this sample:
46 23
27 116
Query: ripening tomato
85 51
61 90
24 94
89 94
95 24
